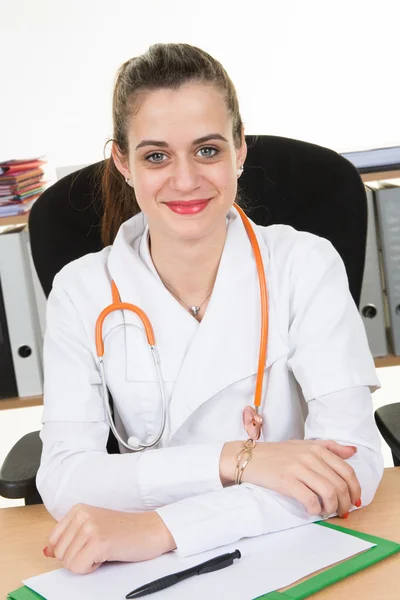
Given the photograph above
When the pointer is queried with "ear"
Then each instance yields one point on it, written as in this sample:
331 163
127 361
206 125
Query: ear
241 152
120 162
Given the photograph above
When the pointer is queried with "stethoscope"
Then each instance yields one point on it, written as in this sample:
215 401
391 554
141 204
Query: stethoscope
252 420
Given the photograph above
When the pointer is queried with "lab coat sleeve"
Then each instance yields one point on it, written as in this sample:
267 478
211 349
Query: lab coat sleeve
328 346
223 517
75 466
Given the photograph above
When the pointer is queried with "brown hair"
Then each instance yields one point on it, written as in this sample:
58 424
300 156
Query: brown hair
167 66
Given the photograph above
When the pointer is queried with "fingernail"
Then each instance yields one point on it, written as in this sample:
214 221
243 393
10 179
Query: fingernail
353 448
45 552
345 515
358 503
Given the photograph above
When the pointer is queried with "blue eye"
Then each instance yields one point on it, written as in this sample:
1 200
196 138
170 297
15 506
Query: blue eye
156 157
160 157
206 152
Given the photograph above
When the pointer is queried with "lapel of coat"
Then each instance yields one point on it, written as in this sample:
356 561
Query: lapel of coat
201 358
173 326
225 348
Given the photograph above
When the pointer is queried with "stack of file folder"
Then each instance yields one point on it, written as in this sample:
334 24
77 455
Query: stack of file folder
21 183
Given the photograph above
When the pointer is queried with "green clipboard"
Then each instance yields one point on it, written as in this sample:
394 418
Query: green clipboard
383 549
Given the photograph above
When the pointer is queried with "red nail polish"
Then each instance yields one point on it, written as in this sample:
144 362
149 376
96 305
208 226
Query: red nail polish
345 515
45 552
358 503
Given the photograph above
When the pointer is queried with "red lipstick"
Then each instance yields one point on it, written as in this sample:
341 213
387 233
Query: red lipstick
190 207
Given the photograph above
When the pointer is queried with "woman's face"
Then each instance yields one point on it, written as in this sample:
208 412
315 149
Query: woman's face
182 160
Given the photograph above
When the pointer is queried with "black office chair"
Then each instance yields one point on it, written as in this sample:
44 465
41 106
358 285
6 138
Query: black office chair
388 421
284 181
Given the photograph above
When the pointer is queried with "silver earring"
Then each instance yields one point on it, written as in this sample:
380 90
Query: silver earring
128 181
240 171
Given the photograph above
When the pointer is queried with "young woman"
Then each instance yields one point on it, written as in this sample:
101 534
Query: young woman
181 251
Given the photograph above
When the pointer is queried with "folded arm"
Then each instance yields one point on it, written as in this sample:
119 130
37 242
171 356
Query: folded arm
222 517
75 468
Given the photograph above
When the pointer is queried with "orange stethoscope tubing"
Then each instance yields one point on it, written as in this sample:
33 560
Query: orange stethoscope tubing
262 357
133 442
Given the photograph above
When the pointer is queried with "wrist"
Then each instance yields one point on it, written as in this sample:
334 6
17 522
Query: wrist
227 462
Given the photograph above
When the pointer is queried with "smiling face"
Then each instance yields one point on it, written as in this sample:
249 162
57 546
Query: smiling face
182 160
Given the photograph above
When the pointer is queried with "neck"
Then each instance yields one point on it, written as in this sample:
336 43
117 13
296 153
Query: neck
188 267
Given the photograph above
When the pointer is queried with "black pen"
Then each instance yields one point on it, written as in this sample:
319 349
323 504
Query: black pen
216 563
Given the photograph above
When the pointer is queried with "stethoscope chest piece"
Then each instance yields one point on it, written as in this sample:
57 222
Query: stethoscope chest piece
252 422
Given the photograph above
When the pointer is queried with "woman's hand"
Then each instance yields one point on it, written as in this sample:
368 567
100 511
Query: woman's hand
88 536
313 472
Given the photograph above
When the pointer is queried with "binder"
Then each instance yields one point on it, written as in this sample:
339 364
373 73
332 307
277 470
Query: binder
383 549
21 310
371 302
387 198
8 383
40 299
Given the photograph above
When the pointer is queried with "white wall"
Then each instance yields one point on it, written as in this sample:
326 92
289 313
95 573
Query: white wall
307 69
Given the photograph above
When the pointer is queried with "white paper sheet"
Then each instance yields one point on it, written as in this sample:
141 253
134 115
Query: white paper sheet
268 562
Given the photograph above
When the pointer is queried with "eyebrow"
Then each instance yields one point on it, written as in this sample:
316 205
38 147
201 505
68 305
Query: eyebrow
206 138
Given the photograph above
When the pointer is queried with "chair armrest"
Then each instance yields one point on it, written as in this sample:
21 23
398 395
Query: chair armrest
388 421
18 473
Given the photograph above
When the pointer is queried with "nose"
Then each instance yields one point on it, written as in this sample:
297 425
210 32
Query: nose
185 176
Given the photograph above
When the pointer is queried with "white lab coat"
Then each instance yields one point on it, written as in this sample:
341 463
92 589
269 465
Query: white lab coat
317 382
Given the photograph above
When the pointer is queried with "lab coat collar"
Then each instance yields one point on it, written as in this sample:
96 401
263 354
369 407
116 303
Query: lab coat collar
202 359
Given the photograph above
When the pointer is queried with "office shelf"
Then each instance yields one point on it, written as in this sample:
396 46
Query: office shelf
16 220
387 361
380 176
9 403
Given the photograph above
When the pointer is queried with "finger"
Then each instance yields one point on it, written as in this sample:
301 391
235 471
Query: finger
61 527
73 536
347 473
340 485
76 546
85 561
48 551
308 498
344 452
323 488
